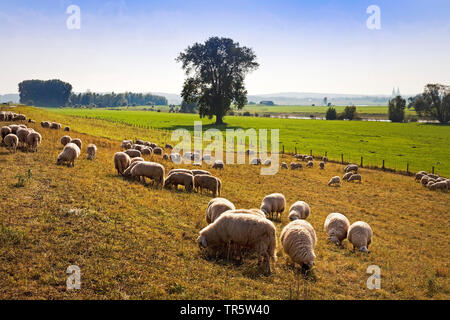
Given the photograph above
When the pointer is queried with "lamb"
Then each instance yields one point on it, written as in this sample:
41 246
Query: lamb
296 165
34 139
273 203
91 151
216 207
152 170
322 165
203 181
284 165
298 239
77 142
218 164
299 210
244 230
336 226
354 177
198 171
133 153
11 142
360 235
180 178
121 162
65 140
255 161
310 164
336 180
181 170
347 176
351 167
69 154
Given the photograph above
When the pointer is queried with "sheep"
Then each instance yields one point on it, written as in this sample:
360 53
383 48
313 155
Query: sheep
347 176
351 167
138 147
419 176
20 117
255 161
299 210
336 180
433 176
308 158
146 151
267 162
354 177
441 185
127 172
204 181
31 121
296 165
14 128
216 207
244 230
2 115
424 180
284 165
139 141
165 157
322 165
168 146
180 178
360 236
175 157
158 151
137 159
5 131
121 162
249 152
298 156
133 153
70 152
310 164
430 184
153 145
273 203
152 170
336 226
66 128
45 124
325 159
198 171
65 140
91 151
11 142
298 239
181 170
448 183
77 141
218 164
34 139
207 158
126 144
55 125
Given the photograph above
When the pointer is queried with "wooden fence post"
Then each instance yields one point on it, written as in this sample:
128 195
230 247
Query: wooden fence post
407 167
383 165
310 152
295 150
361 161
283 148
342 158
432 170
326 153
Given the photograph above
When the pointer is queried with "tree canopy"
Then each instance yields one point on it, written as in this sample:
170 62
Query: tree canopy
116 99
396 109
215 73
50 93
434 102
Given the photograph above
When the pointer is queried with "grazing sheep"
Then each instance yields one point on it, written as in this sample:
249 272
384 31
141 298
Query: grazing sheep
336 226
250 152
168 146
207 158
433 176
66 128
65 140
133 153
45 124
127 172
354 177
175 157
218 164
126 144
267 162
146 151
284 165
243 230
310 164
299 210
137 159
22 134
91 151
335 180
11 142
255 161
121 162
441 185
70 152
347 176
448 183
138 147
204 181
419 176
139 141
180 170
180 178
430 184
424 180
153 145
14 128
151 170
322 165
298 239
55 126
360 235
5 131
77 142
296 165
158 151
165 156
19 117
273 203
308 158
216 207
198 171
351 167
34 139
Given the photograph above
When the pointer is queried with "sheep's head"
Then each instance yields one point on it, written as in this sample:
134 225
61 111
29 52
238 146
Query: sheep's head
202 242
335 240
293 216
364 249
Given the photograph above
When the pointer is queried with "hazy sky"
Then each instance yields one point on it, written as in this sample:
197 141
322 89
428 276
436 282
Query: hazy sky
307 46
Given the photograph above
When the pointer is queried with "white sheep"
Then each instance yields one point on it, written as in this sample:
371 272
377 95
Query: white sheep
347 176
34 139
65 140
11 142
354 177
284 165
255 161
151 170
351 167
299 210
298 239
121 162
218 164
336 226
69 154
248 231
91 151
310 164
273 203
360 235
336 180
216 207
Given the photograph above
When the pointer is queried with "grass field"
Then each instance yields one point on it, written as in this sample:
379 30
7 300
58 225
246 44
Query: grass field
135 242
422 146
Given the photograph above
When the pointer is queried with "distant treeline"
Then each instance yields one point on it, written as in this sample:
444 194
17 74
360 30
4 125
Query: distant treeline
57 93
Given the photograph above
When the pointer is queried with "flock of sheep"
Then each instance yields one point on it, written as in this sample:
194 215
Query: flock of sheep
232 231
432 181
19 136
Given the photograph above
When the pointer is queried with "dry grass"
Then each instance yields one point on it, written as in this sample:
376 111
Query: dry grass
135 242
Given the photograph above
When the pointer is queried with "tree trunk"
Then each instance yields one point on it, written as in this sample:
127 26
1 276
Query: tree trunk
219 119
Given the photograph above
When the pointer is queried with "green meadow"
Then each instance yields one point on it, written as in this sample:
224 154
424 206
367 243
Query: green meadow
421 146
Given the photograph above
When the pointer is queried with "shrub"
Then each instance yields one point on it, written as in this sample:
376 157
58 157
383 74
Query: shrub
331 114
396 109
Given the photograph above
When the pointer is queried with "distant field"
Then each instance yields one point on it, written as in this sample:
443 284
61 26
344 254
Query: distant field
421 145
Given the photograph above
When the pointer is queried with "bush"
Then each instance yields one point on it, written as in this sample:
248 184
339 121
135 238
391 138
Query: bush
349 113
396 109
331 114
246 114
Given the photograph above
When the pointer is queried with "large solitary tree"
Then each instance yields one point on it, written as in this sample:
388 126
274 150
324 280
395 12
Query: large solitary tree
215 73
434 102
396 109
